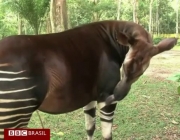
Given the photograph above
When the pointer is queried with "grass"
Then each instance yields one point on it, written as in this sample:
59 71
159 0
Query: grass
151 111
176 48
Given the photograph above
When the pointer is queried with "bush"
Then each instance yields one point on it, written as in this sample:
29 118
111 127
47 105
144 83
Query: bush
176 78
156 40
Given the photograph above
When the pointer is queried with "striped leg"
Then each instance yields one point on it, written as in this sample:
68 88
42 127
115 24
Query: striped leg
17 100
106 117
90 113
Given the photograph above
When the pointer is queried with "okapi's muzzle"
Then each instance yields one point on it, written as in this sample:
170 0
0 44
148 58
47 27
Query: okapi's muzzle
136 62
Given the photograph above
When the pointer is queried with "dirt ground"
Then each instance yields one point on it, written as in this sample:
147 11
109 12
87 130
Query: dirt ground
165 64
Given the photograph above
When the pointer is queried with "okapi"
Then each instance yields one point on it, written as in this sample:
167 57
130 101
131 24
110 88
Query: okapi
77 68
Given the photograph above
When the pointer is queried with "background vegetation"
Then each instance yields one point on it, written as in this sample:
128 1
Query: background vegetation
159 17
151 110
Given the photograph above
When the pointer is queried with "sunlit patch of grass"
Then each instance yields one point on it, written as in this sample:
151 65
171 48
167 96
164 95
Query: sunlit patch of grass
176 48
151 110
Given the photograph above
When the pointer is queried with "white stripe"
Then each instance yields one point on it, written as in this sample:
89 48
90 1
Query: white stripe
90 105
106 117
11 72
12 116
89 121
14 79
5 64
24 126
106 129
106 113
15 121
102 104
1 136
16 100
14 109
19 124
13 91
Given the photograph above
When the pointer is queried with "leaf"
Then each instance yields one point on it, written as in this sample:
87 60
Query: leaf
173 78
174 122
146 96
59 133
178 89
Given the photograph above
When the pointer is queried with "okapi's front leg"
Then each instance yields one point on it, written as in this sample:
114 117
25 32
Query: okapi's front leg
106 117
90 113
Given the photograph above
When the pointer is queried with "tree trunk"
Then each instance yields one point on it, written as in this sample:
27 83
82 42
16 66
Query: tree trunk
157 17
61 17
48 25
135 10
64 14
177 10
36 31
118 9
25 28
52 13
19 25
150 17
95 14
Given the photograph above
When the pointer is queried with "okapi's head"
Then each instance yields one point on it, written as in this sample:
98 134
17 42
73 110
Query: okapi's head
137 60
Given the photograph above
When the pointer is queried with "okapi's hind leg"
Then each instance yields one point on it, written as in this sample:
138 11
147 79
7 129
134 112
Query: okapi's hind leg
106 117
17 98
90 113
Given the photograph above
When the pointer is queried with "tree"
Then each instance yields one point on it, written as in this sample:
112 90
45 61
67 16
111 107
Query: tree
135 10
64 14
31 10
177 18
58 15
150 16
19 25
8 21
118 9
33 16
52 15
157 16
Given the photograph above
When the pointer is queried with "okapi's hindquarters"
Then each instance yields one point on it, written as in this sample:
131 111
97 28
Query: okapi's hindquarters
17 98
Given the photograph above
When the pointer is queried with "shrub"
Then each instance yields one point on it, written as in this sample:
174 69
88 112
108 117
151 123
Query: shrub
156 40
176 78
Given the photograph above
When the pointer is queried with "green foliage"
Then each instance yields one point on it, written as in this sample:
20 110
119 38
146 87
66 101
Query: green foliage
8 22
176 78
85 11
81 12
32 10
156 40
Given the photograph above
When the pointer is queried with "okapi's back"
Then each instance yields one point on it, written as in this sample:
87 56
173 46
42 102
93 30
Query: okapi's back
63 65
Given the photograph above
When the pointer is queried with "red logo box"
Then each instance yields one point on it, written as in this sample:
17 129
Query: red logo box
26 134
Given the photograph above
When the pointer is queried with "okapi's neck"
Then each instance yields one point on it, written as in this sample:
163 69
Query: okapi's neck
109 34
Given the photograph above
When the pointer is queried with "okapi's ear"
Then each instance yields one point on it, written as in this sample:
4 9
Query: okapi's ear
122 38
164 45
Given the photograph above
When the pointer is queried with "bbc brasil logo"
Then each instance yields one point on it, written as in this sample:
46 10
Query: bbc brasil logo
17 133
